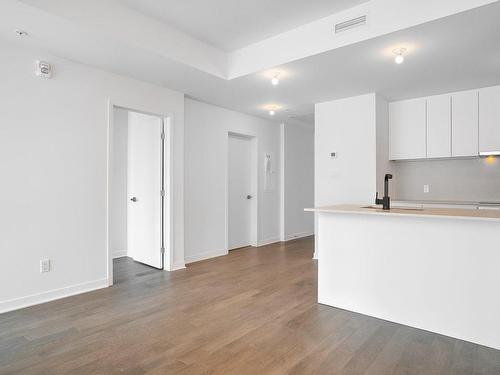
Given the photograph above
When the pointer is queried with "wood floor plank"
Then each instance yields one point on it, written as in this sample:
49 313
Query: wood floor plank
253 311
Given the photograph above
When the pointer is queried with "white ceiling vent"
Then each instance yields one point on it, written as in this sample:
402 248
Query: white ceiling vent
350 24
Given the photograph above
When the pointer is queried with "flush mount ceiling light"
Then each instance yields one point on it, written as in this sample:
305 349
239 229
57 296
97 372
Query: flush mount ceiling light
21 33
272 110
399 52
275 80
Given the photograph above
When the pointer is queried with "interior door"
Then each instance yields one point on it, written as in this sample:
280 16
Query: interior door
145 187
239 192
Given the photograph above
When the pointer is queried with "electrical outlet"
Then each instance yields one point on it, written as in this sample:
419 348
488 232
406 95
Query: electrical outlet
45 265
333 155
426 188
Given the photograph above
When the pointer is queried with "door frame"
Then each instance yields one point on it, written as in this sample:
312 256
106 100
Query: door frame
168 120
254 176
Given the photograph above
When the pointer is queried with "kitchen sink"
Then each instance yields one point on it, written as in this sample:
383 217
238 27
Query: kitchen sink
409 208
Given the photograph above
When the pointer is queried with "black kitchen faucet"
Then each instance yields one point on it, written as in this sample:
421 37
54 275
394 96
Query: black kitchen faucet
386 200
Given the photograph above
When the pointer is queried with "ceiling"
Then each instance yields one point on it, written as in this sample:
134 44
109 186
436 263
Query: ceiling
451 54
233 24
457 52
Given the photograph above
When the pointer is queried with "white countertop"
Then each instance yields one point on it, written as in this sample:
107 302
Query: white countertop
490 215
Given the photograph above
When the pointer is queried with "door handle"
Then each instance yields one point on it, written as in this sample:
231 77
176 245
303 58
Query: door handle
249 196
133 199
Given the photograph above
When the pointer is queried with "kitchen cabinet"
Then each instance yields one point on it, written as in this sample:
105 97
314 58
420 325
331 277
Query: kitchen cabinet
464 141
489 120
459 124
439 126
407 129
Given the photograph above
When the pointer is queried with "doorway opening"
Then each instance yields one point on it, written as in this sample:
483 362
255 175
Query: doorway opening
242 192
138 193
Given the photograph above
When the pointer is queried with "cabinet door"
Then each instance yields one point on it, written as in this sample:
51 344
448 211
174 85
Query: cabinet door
464 131
407 129
439 126
489 119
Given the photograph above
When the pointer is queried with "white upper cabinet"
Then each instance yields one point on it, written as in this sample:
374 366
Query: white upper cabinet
439 126
489 119
407 122
459 124
464 124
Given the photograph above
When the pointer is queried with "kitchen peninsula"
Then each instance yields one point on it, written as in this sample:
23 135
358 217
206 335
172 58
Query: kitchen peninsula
434 269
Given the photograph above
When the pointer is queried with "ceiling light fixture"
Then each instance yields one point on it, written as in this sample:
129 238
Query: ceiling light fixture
272 109
275 80
399 55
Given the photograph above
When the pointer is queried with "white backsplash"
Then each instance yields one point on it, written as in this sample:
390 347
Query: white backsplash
449 180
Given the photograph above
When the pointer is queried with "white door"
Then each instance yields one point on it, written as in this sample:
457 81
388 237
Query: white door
239 192
145 184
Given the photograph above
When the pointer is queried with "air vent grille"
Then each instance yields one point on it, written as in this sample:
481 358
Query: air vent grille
350 24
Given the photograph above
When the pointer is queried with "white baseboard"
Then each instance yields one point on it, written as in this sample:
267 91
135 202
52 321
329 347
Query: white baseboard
119 254
268 241
295 236
288 237
205 255
51 295
178 266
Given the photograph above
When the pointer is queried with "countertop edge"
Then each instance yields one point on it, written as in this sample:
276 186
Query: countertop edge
370 211
446 203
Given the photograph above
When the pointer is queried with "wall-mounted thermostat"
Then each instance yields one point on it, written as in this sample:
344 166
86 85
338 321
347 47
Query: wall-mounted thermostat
333 155
43 69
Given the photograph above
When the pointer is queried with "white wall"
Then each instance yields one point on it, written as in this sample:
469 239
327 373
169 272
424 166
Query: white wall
298 180
53 168
118 197
384 165
206 135
348 127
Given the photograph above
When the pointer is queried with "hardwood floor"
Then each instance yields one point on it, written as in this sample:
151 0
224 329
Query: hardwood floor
251 312
126 270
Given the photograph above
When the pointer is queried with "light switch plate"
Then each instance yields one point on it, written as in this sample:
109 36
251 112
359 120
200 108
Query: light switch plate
426 188
333 155
44 265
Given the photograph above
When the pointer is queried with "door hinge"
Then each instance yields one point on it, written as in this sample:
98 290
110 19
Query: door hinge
162 250
162 135
163 193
